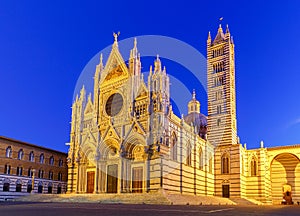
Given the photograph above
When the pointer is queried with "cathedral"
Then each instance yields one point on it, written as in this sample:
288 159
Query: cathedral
125 137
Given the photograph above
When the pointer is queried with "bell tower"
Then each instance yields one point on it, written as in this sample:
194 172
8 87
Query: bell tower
222 129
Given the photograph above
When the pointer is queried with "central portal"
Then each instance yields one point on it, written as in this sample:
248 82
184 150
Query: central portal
112 178
137 180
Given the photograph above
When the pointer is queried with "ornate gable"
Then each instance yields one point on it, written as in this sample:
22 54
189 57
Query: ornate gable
111 133
89 107
135 129
115 68
142 92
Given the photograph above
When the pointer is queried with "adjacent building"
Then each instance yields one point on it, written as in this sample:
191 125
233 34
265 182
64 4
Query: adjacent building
28 168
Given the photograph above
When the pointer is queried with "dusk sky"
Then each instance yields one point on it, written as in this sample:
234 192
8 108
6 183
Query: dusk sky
45 46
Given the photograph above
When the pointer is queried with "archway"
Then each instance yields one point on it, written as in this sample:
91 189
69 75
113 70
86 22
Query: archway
134 146
40 187
284 169
50 187
29 186
6 184
111 153
18 186
59 189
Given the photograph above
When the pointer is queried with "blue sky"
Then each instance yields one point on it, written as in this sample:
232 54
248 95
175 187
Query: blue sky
44 46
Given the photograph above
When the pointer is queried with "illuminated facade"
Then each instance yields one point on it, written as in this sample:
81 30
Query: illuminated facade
126 138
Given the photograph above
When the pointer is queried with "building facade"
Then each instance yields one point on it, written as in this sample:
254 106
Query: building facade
27 168
126 138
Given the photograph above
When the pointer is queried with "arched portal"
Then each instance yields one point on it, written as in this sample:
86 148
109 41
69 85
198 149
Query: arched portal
133 179
111 154
285 169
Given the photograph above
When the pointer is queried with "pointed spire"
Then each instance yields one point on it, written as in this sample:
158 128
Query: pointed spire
208 39
231 39
134 51
131 54
227 29
135 43
220 29
220 35
157 64
150 73
194 105
82 92
90 96
227 34
194 94
82 89
101 59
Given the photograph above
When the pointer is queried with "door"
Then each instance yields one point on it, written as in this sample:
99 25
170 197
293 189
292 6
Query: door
29 188
40 189
112 178
287 194
137 180
90 182
59 189
49 189
225 191
18 188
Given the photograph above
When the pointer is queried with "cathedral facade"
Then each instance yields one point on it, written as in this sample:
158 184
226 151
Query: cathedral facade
127 139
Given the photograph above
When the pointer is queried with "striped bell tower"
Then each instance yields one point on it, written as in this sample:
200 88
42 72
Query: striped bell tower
222 129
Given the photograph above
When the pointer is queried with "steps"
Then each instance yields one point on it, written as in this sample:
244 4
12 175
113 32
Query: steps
184 199
156 198
159 198
243 201
146 198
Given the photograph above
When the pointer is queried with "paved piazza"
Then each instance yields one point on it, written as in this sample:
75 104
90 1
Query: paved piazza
45 209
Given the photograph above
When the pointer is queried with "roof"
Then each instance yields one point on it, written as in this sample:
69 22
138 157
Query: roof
198 119
220 37
32 145
283 147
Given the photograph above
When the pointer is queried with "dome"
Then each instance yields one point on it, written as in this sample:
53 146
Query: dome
195 117
199 120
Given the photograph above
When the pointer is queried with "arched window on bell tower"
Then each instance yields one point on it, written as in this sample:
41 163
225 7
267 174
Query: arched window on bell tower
225 164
